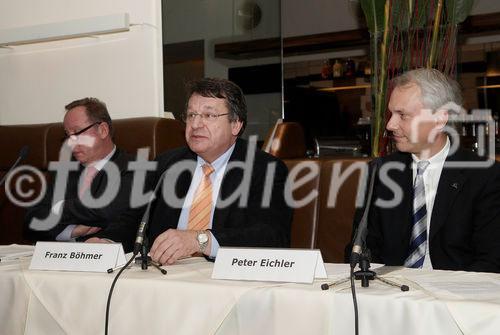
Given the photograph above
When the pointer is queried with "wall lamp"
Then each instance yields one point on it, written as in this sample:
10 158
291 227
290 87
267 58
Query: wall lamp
65 29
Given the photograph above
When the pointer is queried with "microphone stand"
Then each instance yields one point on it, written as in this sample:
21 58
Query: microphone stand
145 260
20 157
140 246
141 240
365 274
361 255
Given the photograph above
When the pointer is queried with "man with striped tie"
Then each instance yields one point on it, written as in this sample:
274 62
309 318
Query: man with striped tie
219 190
434 205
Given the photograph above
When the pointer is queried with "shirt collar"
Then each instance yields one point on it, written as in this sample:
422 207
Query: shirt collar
220 162
100 163
438 158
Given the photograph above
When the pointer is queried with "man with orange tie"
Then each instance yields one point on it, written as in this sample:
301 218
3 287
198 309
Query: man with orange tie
215 117
218 191
88 129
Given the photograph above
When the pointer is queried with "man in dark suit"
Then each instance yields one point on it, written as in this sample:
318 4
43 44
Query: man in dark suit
220 190
88 129
434 206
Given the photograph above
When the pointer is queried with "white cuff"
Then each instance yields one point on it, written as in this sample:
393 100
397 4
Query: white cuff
65 235
215 246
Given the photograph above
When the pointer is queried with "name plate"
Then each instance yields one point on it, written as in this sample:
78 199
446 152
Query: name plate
262 264
73 256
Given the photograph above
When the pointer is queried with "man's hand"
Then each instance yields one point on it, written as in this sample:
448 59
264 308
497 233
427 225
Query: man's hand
81 230
98 240
174 244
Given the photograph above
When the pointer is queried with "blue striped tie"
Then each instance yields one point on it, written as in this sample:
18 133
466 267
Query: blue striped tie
419 231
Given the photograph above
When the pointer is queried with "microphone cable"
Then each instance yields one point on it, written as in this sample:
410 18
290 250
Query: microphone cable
358 254
108 303
354 302
138 247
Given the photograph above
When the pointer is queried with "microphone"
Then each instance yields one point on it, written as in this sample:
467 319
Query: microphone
20 157
139 246
359 241
139 239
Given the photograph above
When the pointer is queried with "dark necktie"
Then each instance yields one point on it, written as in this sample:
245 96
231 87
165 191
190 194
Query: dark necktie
418 240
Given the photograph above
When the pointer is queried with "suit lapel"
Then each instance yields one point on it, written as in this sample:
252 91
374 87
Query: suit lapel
230 182
450 184
100 181
183 184
404 215
72 186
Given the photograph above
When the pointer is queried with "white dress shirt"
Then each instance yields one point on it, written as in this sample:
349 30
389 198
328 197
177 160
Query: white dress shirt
65 235
431 181
219 166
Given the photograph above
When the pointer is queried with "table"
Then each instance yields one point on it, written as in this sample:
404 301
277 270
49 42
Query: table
188 301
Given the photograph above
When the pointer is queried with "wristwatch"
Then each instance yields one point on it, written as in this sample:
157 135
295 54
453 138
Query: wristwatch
202 239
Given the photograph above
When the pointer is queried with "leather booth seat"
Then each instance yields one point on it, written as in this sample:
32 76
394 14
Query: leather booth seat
286 141
305 216
44 142
325 221
157 134
322 221
13 138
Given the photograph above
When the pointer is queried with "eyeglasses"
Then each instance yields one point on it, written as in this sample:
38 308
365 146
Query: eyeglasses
206 117
81 131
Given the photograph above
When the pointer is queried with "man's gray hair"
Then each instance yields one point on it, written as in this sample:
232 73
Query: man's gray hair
436 88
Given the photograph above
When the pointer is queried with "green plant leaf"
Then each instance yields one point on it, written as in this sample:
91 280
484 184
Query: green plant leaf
458 10
401 14
410 14
374 14
421 12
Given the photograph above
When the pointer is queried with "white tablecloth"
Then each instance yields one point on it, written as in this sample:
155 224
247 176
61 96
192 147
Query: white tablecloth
188 301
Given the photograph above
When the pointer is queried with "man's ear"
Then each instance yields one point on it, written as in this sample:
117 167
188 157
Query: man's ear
236 127
103 130
441 118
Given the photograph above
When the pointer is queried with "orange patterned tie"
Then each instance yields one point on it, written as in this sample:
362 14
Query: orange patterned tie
199 214
87 180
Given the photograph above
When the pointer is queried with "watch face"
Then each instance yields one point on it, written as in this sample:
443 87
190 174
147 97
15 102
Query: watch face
202 238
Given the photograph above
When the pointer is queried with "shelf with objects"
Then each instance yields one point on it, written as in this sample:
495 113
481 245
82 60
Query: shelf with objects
331 99
334 106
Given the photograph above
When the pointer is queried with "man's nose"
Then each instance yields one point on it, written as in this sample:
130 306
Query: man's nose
392 125
72 141
197 122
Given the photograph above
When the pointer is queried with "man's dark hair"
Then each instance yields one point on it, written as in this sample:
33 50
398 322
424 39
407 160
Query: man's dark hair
222 89
96 110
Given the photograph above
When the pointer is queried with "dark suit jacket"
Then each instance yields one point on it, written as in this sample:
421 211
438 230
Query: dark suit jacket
465 222
252 225
73 210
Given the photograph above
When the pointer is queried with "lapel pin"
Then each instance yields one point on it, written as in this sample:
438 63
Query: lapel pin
455 186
